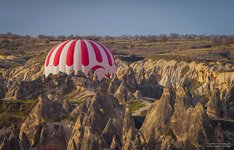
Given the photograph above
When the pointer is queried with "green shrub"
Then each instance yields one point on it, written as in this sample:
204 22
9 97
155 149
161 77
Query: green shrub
76 101
135 106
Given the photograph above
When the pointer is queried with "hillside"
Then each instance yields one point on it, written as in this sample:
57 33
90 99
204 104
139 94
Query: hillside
169 92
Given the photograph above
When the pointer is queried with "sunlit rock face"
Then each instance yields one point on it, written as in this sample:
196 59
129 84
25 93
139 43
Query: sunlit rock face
209 83
157 121
173 74
173 122
103 123
40 128
191 105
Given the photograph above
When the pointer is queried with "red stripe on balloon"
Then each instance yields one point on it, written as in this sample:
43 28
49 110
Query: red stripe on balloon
96 67
49 55
107 54
97 51
58 53
70 53
84 53
107 75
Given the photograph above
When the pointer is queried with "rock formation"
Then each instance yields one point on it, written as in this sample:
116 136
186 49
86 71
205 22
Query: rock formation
157 122
149 87
102 123
3 88
40 128
192 106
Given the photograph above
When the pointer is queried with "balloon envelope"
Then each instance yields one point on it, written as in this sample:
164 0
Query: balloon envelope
84 55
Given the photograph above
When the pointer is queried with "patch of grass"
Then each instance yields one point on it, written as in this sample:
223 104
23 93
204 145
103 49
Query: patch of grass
76 101
7 118
24 101
15 111
135 106
53 118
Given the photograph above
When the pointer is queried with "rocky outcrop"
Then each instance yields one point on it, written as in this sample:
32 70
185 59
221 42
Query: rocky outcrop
214 105
131 137
25 89
209 83
130 79
190 124
126 83
102 123
149 87
123 94
174 122
188 97
94 126
157 122
11 141
173 73
138 95
125 87
114 84
40 129
30 70
228 106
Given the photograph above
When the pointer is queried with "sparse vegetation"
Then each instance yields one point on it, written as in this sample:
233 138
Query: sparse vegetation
188 48
135 106
15 111
59 114
54 118
76 101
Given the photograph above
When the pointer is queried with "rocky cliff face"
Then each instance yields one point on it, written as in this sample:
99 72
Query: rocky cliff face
99 123
44 127
103 123
173 73
205 82
192 106
176 122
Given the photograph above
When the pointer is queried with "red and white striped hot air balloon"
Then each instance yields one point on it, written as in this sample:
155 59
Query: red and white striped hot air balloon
84 55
